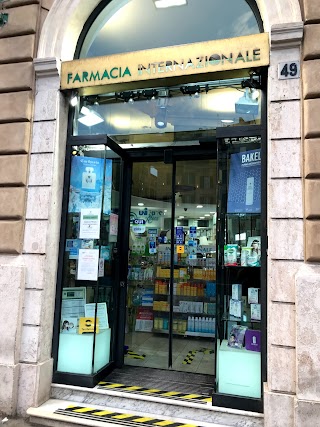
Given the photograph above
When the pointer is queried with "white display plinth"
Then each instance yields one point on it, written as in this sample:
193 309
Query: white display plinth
239 371
75 352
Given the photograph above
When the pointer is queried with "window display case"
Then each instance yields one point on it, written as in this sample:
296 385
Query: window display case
240 284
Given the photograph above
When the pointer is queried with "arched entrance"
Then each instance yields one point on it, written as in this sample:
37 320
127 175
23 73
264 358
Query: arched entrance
272 19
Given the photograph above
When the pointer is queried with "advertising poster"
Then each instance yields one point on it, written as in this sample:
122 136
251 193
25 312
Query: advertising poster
113 225
244 193
90 223
179 236
85 183
102 313
88 264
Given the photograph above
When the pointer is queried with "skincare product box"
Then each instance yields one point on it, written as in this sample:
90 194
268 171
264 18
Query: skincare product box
235 308
237 292
253 340
253 295
230 254
255 311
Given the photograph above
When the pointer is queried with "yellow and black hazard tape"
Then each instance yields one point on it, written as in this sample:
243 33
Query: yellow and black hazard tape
197 398
134 355
119 418
189 357
192 354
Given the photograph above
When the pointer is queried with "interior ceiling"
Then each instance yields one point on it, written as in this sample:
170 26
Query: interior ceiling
195 185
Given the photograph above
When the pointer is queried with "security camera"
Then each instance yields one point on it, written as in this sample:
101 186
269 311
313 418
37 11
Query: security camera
185 209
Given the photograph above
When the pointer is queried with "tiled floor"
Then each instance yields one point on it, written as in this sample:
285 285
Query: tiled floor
155 348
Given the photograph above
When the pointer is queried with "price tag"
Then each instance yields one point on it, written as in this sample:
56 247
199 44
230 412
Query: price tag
289 70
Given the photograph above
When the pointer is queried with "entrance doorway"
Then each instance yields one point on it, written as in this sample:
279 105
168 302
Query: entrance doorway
171 306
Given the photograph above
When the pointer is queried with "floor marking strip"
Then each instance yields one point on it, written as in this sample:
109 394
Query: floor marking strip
175 395
117 418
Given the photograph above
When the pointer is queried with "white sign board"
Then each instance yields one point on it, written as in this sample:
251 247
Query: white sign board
90 223
289 70
88 264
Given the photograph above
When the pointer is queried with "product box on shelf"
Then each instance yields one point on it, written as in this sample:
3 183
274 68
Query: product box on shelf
237 292
230 255
253 340
253 295
255 311
235 308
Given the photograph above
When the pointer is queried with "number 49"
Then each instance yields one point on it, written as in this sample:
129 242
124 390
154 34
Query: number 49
289 70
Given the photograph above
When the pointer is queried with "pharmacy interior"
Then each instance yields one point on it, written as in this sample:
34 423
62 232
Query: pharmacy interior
162 261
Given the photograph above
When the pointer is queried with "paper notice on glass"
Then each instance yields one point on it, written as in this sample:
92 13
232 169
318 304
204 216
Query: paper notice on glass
88 264
90 223
102 313
113 225
101 267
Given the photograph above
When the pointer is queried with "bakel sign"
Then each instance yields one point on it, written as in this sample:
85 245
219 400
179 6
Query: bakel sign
173 61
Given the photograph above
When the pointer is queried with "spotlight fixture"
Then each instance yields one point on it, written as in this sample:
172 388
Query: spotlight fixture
128 96
161 4
149 93
191 90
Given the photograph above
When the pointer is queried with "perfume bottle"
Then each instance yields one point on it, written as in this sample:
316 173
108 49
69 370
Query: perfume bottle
89 179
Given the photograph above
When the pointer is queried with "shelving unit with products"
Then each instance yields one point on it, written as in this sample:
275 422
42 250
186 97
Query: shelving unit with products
238 343
194 295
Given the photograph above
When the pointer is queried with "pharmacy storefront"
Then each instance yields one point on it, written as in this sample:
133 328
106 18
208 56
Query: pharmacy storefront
163 267
162 262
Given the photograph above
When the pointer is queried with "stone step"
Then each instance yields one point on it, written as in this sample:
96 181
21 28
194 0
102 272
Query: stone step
63 413
196 412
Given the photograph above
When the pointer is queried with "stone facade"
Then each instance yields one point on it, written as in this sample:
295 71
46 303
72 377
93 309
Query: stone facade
33 119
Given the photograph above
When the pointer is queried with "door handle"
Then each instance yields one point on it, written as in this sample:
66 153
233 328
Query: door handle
122 284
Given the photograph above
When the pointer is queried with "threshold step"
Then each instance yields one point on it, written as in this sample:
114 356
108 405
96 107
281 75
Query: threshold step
64 413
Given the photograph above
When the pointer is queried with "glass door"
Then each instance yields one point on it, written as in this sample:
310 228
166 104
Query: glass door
86 305
170 310
148 289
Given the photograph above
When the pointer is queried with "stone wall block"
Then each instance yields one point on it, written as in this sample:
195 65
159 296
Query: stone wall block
9 388
11 233
289 231
35 237
16 3
311 118
34 271
43 137
41 169
312 198
22 21
46 105
46 4
282 90
282 369
278 410
312 242
311 47
12 202
29 351
285 158
307 414
311 11
14 138
13 169
307 326
285 198
15 77
32 307
311 79
281 324
312 158
12 282
37 380
38 203
16 106
279 125
17 49
281 280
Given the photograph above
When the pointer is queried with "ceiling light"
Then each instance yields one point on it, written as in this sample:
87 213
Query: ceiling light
201 217
160 4
90 117
140 204
199 206
181 216
207 215
227 121
212 212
